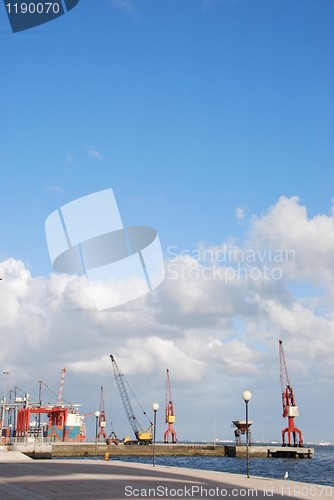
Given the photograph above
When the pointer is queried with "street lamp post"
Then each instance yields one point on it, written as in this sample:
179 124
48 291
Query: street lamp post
97 414
155 407
3 405
246 396
10 433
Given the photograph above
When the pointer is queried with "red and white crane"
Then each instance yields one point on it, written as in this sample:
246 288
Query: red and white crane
290 409
102 417
170 415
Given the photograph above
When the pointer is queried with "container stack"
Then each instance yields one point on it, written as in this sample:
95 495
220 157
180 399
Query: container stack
72 434
54 433
68 434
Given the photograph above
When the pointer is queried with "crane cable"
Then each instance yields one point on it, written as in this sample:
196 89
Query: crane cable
142 409
50 389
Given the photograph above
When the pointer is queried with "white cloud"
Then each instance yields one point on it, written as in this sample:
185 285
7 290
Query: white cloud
207 331
124 5
239 213
286 226
93 152
69 159
53 189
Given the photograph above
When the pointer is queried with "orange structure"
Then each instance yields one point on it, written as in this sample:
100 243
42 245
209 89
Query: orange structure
170 416
290 409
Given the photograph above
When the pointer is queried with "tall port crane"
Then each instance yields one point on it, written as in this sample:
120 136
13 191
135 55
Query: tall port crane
290 409
170 415
142 437
61 385
102 417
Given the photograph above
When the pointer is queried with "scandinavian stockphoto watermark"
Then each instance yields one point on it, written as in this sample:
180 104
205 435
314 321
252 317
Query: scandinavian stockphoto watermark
227 263
87 236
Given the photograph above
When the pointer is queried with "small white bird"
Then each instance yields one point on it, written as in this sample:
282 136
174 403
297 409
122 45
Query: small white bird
286 475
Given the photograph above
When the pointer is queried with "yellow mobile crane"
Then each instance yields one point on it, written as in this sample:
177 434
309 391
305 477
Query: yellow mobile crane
142 437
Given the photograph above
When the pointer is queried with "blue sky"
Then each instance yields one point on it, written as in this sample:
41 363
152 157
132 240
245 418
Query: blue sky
196 108
188 109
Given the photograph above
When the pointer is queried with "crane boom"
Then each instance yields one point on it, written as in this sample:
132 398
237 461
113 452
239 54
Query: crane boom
284 375
125 398
169 400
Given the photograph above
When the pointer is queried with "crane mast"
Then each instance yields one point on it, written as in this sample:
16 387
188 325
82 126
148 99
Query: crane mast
290 409
141 436
170 415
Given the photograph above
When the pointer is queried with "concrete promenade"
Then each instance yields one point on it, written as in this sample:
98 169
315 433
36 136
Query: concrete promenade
99 480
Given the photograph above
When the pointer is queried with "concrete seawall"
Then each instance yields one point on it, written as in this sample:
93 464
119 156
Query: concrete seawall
67 450
269 452
88 450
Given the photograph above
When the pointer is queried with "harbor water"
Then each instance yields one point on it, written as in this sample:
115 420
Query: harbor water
318 470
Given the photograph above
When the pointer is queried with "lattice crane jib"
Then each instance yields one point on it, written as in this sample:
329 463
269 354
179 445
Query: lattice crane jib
61 385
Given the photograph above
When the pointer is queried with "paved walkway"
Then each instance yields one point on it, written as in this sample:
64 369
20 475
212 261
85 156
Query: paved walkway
99 480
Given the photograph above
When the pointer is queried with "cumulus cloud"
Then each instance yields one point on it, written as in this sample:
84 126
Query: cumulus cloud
287 226
202 325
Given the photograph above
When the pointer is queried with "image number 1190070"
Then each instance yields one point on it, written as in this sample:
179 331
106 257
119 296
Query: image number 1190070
24 15
33 8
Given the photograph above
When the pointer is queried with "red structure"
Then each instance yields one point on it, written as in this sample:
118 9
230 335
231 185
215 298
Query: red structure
290 409
170 416
57 417
102 417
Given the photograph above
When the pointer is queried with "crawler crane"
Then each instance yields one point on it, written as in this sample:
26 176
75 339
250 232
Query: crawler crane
142 437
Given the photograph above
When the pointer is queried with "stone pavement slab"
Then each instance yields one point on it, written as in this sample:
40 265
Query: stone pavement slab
13 456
